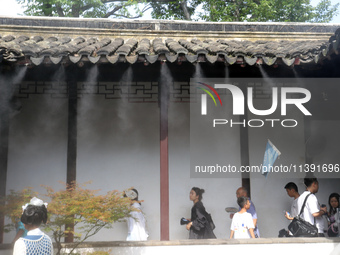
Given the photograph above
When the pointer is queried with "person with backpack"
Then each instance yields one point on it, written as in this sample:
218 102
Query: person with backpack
200 225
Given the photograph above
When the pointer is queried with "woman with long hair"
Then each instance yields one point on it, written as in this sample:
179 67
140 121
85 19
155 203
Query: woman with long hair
333 202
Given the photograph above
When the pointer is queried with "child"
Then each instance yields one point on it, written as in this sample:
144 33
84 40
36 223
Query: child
36 241
333 202
242 224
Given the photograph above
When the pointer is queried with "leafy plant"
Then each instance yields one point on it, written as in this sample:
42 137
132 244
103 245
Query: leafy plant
11 205
75 205
208 10
88 211
84 8
247 10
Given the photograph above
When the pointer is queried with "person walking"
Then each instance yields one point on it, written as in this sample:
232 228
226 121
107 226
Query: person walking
312 212
243 192
136 223
200 226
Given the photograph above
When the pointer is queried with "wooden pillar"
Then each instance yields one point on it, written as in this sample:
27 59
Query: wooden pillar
164 156
72 137
308 135
4 133
244 142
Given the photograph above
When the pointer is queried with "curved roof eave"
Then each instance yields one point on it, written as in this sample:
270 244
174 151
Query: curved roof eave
40 40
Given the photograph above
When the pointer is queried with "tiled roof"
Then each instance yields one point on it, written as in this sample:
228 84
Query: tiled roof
39 49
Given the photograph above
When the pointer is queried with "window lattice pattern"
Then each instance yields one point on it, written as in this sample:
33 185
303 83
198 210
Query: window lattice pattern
137 92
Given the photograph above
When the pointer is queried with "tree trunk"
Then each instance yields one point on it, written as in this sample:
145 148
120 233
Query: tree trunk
76 10
60 10
47 8
185 10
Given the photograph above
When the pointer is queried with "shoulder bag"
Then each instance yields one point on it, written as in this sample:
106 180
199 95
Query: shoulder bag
301 228
211 222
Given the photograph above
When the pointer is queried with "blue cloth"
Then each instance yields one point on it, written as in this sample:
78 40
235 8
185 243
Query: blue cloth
20 226
253 213
37 237
270 156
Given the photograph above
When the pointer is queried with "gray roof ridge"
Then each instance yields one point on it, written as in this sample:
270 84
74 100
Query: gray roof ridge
167 25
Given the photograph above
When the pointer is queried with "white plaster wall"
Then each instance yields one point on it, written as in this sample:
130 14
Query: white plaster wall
37 146
118 147
268 194
37 154
328 133
219 192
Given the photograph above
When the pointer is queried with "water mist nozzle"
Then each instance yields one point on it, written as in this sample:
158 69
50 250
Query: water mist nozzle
259 61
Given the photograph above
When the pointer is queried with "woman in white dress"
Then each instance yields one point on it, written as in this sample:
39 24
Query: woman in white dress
136 222
36 242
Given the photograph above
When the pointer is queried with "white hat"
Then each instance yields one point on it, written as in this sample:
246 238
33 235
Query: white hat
35 201
131 194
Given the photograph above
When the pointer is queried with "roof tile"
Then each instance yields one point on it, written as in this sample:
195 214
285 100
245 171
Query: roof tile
127 47
143 47
159 46
113 49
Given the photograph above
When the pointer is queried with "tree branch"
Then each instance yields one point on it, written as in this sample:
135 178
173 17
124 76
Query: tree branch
117 8
76 10
146 8
47 9
60 10
96 229
185 10
127 17
237 11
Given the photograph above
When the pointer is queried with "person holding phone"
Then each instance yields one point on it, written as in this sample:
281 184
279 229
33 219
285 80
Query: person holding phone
292 191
